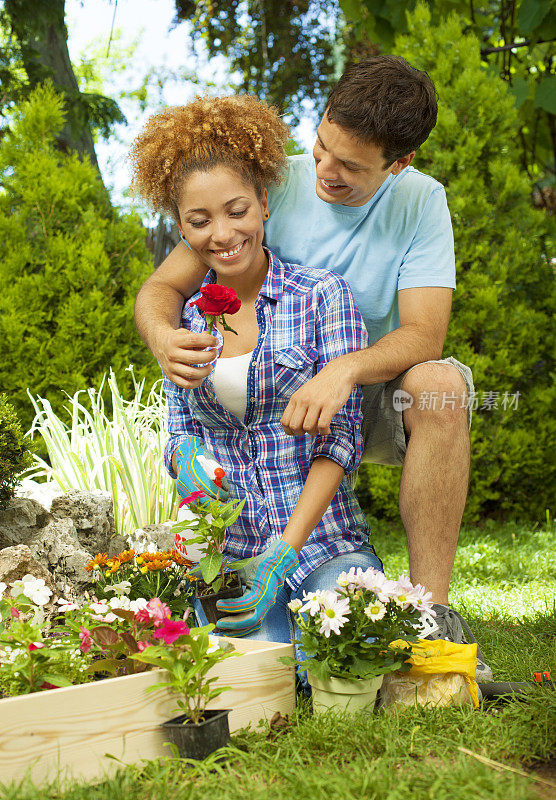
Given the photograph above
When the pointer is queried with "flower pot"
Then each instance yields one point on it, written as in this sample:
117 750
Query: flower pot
208 601
199 739
343 695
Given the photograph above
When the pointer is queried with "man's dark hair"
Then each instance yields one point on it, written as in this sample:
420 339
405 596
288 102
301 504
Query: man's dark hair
385 101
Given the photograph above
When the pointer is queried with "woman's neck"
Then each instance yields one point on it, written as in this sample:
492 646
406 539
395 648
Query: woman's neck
247 285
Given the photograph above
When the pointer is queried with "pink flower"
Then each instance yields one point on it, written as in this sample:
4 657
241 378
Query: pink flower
142 616
86 641
66 605
158 611
192 498
171 630
143 646
15 613
35 646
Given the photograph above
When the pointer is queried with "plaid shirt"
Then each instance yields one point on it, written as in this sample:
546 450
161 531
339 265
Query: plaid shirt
306 318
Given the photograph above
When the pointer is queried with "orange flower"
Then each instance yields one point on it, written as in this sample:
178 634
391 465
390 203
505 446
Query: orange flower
178 559
98 561
158 564
114 566
125 555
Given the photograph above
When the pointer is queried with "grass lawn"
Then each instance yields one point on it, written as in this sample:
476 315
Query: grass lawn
504 583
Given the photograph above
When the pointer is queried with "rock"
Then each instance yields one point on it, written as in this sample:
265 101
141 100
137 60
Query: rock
42 493
15 562
20 521
159 535
93 517
57 547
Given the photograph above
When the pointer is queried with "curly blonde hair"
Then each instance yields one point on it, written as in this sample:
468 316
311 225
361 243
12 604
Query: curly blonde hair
238 131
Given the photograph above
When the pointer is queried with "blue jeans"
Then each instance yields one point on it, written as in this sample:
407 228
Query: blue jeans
279 624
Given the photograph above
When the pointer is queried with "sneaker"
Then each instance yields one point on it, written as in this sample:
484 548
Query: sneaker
450 625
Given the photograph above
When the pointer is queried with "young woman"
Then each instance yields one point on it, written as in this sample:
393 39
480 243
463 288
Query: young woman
207 164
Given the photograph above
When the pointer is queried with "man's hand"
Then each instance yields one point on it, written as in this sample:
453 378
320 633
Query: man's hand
177 352
312 407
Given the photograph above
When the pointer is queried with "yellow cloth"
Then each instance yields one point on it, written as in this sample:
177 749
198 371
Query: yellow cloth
442 673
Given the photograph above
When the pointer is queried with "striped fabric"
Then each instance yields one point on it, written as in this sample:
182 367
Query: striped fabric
306 318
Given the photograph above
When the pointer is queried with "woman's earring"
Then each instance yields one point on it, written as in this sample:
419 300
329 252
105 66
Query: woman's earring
266 215
184 240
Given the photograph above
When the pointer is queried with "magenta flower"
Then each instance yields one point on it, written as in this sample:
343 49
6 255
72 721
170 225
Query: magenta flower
35 646
171 630
14 613
192 498
143 646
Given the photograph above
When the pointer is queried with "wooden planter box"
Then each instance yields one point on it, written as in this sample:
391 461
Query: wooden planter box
71 732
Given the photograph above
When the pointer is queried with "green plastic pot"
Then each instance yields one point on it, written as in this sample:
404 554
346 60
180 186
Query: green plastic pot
342 695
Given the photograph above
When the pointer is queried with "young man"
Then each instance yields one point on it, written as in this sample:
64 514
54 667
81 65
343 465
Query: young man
357 207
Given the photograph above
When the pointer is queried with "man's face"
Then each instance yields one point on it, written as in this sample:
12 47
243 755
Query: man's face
349 173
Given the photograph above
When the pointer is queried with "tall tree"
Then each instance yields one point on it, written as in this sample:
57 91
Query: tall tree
285 51
38 51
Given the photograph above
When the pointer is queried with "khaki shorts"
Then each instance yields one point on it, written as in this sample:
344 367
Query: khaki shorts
384 436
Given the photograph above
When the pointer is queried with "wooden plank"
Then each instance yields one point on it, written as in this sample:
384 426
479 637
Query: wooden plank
68 732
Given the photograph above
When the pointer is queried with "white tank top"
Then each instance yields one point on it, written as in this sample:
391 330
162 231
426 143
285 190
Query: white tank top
229 379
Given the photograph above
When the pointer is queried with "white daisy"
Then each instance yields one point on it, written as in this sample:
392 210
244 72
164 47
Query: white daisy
375 611
334 615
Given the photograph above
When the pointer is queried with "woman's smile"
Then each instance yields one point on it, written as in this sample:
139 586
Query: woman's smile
231 253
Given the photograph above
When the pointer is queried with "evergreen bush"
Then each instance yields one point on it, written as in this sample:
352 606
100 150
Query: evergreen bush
70 266
14 456
503 308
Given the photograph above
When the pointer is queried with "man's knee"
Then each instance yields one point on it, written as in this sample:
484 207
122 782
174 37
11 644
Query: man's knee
439 396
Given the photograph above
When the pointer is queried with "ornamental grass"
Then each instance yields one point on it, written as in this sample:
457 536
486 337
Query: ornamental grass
119 452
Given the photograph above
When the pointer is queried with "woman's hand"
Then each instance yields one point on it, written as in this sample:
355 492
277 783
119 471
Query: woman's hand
275 564
180 351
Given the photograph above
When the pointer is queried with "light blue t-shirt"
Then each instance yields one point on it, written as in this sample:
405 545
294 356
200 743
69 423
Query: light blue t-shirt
401 239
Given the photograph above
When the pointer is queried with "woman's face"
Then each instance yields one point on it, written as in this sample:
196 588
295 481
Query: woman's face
222 219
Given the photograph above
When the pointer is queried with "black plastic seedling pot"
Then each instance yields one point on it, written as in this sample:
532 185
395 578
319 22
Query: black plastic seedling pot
199 739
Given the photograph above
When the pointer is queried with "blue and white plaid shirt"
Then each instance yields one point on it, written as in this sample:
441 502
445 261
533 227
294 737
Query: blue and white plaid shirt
306 318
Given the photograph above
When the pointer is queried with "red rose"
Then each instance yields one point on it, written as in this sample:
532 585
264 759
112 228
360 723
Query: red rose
217 300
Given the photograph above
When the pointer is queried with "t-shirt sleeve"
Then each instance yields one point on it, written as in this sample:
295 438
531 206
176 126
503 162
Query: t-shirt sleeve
430 260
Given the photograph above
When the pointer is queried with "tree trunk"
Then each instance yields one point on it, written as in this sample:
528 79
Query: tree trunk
42 34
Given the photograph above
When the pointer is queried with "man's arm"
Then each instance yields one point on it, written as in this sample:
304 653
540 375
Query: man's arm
158 308
424 317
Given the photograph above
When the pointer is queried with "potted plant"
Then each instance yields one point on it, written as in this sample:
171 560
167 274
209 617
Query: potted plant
217 578
354 635
187 656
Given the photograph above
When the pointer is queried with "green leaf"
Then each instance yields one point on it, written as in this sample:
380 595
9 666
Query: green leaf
104 665
531 14
545 96
210 566
56 680
520 89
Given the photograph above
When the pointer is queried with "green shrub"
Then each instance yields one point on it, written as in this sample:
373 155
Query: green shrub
502 314
14 456
70 266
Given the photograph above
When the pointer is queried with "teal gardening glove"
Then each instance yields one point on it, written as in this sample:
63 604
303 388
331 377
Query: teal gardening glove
192 462
272 567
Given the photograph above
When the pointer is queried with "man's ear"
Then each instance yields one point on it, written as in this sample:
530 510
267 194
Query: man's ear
402 163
